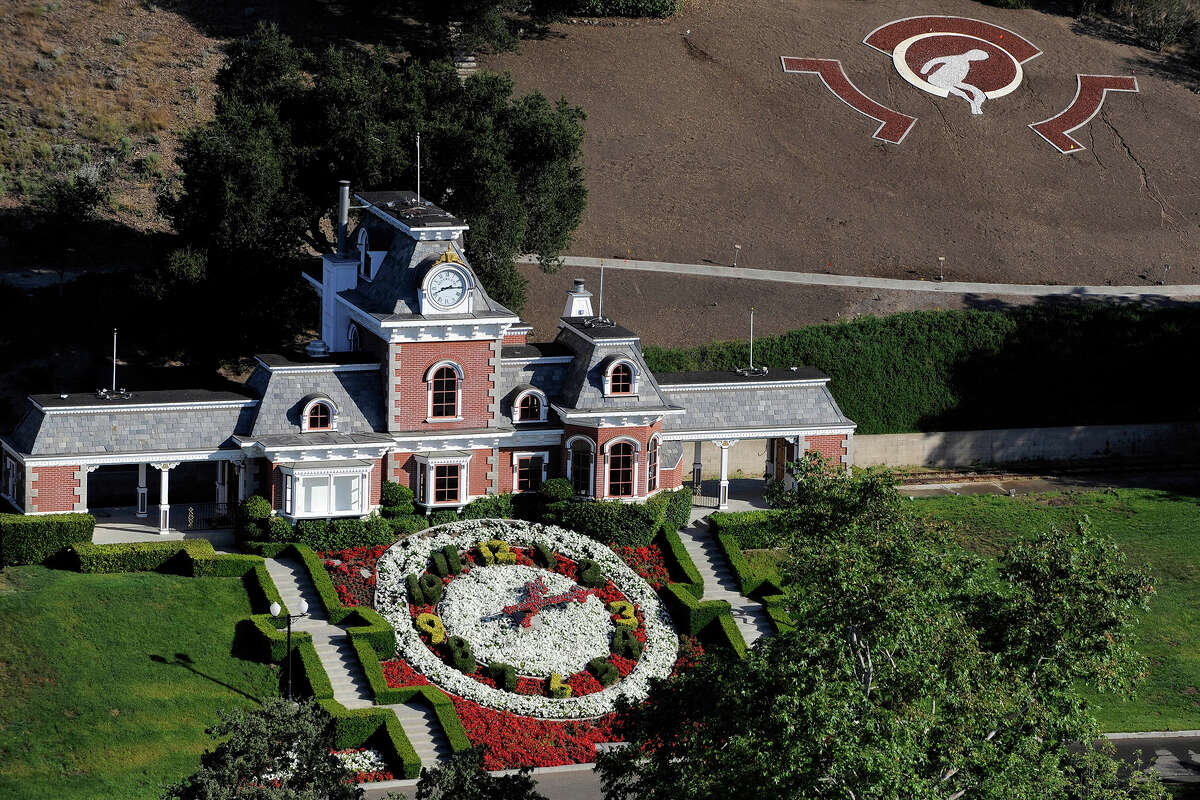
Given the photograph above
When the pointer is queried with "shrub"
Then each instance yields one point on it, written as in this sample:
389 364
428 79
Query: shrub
253 518
279 530
405 526
504 675
496 506
625 8
556 490
607 521
752 530
173 556
396 499
313 532
604 671
33 539
442 517
459 655
679 509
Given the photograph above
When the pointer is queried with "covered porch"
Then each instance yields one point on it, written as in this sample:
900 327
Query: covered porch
122 524
166 497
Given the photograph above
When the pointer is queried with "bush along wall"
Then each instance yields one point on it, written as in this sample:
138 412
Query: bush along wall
33 539
1040 365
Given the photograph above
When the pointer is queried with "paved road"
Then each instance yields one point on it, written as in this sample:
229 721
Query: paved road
556 783
1176 758
852 281
1182 480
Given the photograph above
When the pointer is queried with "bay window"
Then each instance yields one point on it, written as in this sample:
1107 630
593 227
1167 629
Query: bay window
326 491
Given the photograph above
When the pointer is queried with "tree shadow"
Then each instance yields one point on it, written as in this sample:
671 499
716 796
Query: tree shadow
28 243
185 661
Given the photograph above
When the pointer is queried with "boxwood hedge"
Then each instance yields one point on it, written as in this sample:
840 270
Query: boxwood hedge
33 539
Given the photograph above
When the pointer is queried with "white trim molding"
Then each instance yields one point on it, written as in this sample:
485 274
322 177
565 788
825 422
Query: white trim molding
430 374
543 406
517 455
426 478
754 433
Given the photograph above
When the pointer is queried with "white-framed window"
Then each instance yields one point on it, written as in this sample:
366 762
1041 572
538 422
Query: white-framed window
364 255
652 465
621 467
621 379
354 338
581 464
443 480
10 479
443 382
529 470
330 492
530 406
319 414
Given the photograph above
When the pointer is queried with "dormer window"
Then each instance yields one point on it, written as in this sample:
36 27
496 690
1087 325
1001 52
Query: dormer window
320 417
318 414
364 255
531 406
621 379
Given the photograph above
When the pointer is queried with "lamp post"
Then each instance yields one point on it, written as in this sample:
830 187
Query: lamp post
276 610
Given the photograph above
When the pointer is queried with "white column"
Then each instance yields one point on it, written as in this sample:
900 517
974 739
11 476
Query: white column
222 483
697 467
723 493
164 506
141 491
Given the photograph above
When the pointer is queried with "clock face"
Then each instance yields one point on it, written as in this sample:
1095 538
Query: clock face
447 288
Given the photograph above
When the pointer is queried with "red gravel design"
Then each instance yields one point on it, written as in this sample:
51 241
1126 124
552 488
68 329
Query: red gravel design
1090 92
893 126
886 37
995 73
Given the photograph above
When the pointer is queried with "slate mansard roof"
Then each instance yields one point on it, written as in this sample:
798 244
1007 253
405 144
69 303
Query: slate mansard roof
145 422
355 389
728 402
595 350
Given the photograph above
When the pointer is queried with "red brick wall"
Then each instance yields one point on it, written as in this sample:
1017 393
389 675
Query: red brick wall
377 481
477 484
514 339
404 470
276 488
410 393
671 478
55 488
554 465
602 436
832 446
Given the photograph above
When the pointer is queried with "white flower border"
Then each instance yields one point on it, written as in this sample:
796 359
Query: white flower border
411 555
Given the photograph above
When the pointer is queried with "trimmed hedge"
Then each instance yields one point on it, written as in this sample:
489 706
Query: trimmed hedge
962 370
33 539
614 522
378 728
752 530
680 566
710 619
496 506
174 556
780 619
750 582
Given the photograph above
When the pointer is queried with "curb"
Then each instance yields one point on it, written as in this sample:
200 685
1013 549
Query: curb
1151 735
409 783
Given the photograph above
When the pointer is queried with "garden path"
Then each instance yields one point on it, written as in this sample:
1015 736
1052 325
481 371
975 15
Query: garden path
719 581
424 731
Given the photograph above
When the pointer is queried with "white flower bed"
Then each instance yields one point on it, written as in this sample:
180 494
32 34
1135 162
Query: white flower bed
561 639
411 555
366 760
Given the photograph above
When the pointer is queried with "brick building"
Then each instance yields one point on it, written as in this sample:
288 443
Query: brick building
419 377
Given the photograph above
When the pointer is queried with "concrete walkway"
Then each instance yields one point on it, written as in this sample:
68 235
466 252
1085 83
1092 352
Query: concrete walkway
340 661
719 581
857 282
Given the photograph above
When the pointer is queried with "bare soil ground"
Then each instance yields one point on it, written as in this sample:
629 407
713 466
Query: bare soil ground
697 140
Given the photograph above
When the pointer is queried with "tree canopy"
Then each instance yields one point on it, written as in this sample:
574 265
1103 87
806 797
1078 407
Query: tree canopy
279 751
462 777
915 669
259 179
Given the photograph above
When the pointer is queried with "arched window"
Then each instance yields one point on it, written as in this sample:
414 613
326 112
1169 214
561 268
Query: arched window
364 257
620 380
530 409
320 417
620 470
443 402
580 466
652 465
353 338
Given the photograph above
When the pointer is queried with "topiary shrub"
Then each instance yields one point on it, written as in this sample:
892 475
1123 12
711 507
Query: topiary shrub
604 671
396 500
459 655
253 514
504 676
556 490
280 530
33 539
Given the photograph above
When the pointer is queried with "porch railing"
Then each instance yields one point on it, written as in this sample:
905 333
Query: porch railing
206 516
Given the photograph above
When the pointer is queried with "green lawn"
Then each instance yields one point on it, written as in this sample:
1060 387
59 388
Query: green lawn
108 681
1155 527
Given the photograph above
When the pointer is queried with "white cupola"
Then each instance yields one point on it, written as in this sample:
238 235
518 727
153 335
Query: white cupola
579 301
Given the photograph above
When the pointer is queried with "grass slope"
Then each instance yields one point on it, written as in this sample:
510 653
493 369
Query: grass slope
108 681
1152 527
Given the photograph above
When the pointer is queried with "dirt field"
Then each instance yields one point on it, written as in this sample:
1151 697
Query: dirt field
697 140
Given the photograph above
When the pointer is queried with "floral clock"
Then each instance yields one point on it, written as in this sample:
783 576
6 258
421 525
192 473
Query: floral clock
526 618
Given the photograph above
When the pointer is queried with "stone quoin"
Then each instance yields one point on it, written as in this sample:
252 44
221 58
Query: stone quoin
422 378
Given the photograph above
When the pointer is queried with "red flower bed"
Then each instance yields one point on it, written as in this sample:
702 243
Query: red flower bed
398 674
347 567
365 777
648 562
509 741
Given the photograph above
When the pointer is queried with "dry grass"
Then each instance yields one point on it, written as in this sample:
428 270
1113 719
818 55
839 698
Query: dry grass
89 80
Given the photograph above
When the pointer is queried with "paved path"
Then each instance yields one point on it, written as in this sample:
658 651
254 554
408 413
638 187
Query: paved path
340 661
719 581
862 282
